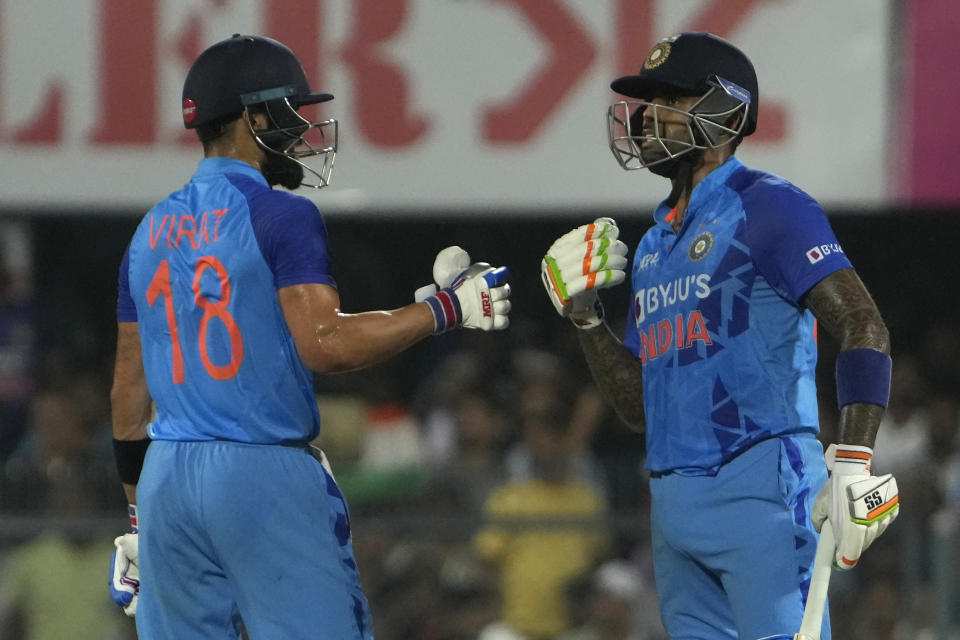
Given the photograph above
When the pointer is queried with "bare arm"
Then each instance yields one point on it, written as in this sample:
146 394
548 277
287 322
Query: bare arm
617 372
843 306
330 341
130 402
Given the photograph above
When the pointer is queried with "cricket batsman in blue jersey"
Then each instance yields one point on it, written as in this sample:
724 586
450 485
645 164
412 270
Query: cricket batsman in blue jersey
226 307
718 362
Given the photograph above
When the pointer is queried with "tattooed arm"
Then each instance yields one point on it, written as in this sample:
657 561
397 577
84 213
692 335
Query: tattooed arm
845 309
616 372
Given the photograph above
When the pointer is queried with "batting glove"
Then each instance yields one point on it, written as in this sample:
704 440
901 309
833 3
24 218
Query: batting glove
124 573
478 298
577 264
449 263
860 506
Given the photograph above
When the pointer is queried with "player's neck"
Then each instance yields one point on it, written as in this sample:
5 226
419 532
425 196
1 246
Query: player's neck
238 143
685 181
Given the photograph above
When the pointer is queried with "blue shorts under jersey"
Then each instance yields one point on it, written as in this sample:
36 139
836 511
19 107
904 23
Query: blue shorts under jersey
733 553
728 352
200 277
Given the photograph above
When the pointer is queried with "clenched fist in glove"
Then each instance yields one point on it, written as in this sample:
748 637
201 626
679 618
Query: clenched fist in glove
476 297
449 263
859 506
577 264
124 572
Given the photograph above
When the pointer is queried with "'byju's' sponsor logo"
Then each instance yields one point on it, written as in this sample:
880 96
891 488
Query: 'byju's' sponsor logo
818 253
660 297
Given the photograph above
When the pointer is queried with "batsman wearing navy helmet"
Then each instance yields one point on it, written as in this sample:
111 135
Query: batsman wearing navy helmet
717 366
227 305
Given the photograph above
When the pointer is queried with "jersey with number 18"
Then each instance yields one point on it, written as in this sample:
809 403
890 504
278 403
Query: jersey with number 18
200 278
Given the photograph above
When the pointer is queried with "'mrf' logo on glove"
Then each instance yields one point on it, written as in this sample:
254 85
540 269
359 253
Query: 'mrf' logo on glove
474 296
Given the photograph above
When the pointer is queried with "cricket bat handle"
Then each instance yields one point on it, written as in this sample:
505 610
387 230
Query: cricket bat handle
819 582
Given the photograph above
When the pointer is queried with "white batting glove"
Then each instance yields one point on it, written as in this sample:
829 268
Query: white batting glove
859 506
577 264
449 263
124 572
478 298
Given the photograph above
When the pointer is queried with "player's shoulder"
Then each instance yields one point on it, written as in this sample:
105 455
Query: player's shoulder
278 204
764 195
762 187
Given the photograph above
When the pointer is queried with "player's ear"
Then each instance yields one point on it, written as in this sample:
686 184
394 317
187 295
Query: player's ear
256 119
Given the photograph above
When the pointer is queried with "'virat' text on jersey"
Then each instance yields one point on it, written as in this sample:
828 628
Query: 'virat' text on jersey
728 351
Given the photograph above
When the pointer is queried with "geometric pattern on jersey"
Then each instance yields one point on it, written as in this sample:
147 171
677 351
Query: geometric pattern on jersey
726 311
732 428
717 319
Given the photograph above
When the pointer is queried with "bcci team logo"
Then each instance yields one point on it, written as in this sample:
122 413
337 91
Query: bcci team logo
657 56
700 247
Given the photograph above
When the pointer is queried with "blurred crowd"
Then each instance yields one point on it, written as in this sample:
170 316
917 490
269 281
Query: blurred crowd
499 499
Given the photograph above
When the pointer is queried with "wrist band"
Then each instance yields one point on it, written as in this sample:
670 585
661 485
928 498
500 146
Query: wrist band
446 310
863 375
134 523
852 454
129 455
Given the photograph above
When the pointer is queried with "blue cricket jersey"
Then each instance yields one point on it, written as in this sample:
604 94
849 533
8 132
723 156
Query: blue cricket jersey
200 277
729 354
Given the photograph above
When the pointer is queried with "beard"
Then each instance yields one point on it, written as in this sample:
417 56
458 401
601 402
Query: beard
660 163
278 169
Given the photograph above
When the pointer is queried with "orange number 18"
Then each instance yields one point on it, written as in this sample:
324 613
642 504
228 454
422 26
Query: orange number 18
160 286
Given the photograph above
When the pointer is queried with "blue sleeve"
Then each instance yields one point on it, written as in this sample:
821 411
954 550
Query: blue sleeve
126 309
292 239
790 239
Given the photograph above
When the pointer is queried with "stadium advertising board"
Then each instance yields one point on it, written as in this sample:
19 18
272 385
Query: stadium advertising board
445 105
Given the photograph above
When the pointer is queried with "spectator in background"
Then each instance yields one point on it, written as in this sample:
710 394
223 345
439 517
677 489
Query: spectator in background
608 599
548 394
18 345
51 585
59 452
903 438
437 398
541 533
945 438
481 429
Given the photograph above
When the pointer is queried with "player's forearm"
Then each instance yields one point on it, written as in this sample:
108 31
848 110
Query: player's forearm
130 491
130 407
843 306
859 423
359 340
616 372
130 402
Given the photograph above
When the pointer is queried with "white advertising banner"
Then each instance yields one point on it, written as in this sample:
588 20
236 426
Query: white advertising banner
449 106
